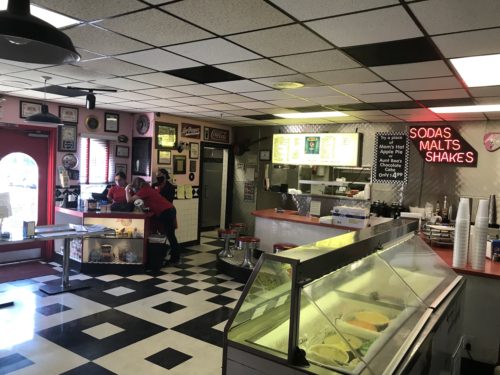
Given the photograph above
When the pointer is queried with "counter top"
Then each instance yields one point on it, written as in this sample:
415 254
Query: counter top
293 216
492 269
113 214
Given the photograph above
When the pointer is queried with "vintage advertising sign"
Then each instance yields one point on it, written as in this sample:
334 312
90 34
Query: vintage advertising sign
216 135
391 155
443 145
190 131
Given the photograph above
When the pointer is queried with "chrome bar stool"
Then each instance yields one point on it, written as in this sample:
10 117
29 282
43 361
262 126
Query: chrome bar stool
227 235
248 244
238 227
282 246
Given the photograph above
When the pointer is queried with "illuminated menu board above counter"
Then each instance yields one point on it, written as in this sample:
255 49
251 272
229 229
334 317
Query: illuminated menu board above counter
334 149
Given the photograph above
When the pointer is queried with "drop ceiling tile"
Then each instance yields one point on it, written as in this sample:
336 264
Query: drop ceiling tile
485 91
307 81
162 103
367 113
123 84
195 100
275 110
101 41
6 68
284 40
449 102
105 99
464 116
378 98
408 111
395 52
268 95
91 9
198 90
471 43
300 121
428 117
446 16
190 108
167 29
357 75
128 95
309 9
228 98
331 100
255 68
204 74
221 107
427 84
290 103
424 69
19 83
242 112
228 16
135 104
76 72
366 88
37 94
239 86
310 92
113 66
36 76
160 79
318 61
87 55
72 101
162 93
438 94
23 65
254 105
158 59
213 51
346 31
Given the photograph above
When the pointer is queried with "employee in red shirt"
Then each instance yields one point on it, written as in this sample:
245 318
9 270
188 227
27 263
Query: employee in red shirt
162 208
117 193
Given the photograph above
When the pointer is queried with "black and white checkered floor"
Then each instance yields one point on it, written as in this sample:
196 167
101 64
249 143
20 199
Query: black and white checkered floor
142 324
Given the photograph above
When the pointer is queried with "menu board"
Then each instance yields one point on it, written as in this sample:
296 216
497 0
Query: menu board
341 149
390 162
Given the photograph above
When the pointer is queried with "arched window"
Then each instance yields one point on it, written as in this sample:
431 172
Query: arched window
19 177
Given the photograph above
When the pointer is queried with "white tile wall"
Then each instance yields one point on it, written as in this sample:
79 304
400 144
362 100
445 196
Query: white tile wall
187 219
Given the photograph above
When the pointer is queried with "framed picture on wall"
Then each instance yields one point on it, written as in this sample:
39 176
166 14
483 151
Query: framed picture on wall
192 166
164 157
121 168
194 150
68 115
29 108
166 135
122 151
111 122
179 164
265 155
66 138
141 156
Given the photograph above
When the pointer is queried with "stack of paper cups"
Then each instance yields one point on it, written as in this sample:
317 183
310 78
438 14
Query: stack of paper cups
461 241
478 243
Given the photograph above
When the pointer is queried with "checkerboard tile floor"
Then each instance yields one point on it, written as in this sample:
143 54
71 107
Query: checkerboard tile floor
170 323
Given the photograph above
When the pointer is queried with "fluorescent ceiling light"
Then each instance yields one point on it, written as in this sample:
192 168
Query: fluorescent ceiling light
479 71
467 108
311 114
55 19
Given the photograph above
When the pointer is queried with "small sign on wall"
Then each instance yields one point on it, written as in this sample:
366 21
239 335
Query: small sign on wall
216 135
190 131
390 161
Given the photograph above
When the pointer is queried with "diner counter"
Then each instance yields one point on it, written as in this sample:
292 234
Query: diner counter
294 217
98 214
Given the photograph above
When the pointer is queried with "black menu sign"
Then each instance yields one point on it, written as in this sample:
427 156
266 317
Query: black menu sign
390 162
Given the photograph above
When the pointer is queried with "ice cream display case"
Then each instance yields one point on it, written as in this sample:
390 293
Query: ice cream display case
366 302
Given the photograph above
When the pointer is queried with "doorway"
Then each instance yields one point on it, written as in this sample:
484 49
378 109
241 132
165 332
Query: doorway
216 186
27 174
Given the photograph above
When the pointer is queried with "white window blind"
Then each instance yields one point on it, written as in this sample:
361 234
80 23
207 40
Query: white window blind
97 163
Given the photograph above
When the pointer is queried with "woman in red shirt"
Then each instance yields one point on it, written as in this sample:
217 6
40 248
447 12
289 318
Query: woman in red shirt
117 193
162 208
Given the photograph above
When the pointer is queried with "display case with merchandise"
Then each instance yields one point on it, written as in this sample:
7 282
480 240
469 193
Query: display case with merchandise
366 302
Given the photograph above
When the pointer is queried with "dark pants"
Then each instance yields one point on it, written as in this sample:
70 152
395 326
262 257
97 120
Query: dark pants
168 219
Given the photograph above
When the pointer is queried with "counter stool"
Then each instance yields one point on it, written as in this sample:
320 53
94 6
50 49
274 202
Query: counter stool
227 235
248 244
282 246
238 227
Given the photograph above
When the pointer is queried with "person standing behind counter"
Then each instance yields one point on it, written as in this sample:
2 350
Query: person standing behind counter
117 193
164 186
161 207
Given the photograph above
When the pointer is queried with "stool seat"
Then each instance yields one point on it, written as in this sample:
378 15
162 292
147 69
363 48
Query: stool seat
225 233
248 239
282 246
237 225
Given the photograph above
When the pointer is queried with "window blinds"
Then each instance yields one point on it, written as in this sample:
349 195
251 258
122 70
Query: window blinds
97 163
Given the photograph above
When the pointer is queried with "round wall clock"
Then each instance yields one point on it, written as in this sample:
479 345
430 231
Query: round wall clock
92 122
142 124
69 161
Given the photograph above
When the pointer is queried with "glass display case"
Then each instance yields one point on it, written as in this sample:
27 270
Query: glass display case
353 304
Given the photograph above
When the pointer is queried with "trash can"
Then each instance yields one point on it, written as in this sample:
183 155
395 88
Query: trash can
157 251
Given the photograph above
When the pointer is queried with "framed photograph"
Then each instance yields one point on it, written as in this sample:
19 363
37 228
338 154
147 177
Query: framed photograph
179 164
141 156
66 138
121 168
166 135
164 157
265 155
68 115
192 166
122 151
27 109
111 122
194 150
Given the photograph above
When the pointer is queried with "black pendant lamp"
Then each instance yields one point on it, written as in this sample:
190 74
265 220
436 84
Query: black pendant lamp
44 117
26 38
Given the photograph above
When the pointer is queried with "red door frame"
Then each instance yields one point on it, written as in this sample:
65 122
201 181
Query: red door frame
47 248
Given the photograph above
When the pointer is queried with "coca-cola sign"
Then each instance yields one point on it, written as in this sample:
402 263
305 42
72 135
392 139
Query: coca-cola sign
216 135
191 131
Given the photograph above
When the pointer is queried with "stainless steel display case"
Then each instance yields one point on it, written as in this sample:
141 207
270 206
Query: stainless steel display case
366 302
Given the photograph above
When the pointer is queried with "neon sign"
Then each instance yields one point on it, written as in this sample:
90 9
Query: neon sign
443 144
